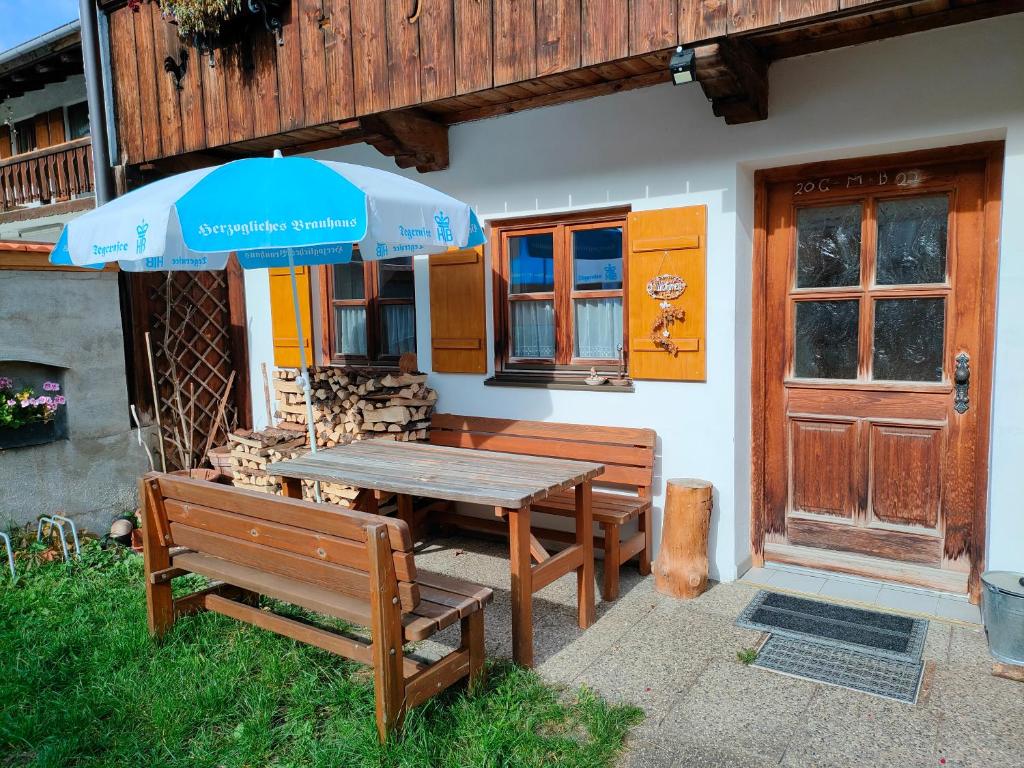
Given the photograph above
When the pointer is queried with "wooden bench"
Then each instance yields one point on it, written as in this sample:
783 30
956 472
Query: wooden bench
628 456
346 564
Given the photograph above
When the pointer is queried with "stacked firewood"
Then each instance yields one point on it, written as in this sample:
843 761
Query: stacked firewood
353 405
251 452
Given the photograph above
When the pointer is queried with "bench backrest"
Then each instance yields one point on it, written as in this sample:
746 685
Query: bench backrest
627 453
288 537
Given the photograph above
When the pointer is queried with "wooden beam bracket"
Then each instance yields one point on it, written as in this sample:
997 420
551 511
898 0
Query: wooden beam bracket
734 77
409 136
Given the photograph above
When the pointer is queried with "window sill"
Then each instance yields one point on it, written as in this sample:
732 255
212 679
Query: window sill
547 382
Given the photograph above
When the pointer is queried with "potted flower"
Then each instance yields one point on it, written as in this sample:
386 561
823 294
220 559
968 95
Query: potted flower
28 417
213 24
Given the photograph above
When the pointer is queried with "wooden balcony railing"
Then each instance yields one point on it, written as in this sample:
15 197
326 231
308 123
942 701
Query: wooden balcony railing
50 175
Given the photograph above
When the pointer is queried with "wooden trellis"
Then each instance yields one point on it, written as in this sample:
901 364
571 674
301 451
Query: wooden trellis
197 331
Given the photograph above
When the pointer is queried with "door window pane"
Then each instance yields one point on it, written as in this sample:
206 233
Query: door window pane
533 329
531 261
908 339
348 279
350 331
598 328
826 339
398 329
912 240
828 246
597 259
395 278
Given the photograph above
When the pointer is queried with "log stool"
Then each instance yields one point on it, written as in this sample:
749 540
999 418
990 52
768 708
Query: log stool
682 566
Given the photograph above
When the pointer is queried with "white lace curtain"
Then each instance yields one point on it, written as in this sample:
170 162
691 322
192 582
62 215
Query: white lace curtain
598 328
399 329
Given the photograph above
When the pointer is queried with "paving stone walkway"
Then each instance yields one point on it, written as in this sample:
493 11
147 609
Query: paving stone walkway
677 660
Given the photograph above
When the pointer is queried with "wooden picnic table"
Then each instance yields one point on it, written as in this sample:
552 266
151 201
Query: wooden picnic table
508 482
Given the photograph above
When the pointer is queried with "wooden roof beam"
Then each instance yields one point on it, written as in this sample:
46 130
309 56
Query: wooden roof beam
734 77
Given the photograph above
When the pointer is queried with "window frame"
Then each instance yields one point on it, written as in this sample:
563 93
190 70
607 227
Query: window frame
564 366
372 302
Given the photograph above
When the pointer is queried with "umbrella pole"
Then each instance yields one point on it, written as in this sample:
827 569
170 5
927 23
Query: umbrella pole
306 388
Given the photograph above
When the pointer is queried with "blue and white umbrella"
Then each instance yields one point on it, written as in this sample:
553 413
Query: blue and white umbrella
271 212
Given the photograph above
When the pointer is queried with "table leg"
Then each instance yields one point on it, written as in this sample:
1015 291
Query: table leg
585 538
522 584
291 487
405 513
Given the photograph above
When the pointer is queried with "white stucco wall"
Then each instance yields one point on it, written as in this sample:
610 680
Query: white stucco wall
65 93
662 147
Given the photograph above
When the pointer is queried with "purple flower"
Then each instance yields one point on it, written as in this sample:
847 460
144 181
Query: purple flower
11 401
5 383
51 386
59 400
25 403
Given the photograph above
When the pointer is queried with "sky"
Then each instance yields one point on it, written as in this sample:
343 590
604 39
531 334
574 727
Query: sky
21 20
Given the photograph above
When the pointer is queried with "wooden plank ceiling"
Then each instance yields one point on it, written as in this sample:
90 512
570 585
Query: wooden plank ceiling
396 73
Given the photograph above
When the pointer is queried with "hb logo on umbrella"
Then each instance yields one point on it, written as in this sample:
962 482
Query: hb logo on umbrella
140 241
444 227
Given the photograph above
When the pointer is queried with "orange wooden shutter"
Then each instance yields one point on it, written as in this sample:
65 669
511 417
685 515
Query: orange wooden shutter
55 118
458 328
5 142
670 241
282 315
42 126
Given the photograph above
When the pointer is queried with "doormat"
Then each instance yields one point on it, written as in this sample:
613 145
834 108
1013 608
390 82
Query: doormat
882 635
844 667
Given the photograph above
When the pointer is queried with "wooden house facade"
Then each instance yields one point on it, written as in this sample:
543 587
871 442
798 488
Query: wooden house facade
796 268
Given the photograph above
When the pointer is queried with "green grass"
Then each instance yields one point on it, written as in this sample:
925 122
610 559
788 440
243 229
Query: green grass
82 684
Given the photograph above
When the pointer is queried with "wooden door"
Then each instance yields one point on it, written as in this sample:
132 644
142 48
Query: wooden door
875 347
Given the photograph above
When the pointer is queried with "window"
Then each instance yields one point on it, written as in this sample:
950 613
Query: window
372 316
24 136
560 301
78 121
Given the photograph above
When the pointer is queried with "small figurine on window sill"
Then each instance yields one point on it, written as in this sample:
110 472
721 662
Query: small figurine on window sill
621 380
594 380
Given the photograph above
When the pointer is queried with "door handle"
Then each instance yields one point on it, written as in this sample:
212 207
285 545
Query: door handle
962 383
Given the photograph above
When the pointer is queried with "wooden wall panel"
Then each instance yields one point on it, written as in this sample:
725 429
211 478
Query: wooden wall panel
792 10
558 36
215 100
604 31
652 25
370 56
750 14
290 87
403 53
437 49
190 100
166 43
149 92
6 149
126 85
824 466
338 58
238 88
473 46
702 20
314 62
515 41
266 119
906 474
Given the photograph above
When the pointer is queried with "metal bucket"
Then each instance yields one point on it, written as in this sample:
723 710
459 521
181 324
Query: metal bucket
1002 605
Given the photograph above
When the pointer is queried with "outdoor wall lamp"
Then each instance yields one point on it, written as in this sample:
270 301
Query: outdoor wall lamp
683 66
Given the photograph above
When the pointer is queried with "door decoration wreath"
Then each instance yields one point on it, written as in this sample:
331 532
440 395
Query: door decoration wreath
664 288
